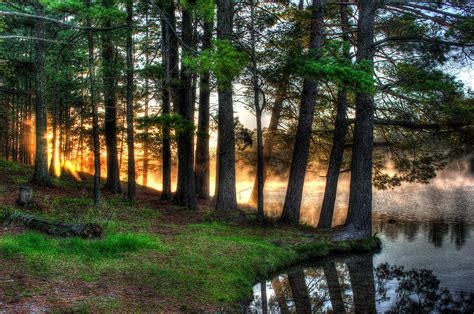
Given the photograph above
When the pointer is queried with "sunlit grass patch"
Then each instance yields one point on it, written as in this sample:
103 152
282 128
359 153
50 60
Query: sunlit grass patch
76 257
112 246
221 262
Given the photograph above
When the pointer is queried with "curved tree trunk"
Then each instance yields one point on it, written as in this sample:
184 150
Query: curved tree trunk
294 193
339 140
226 199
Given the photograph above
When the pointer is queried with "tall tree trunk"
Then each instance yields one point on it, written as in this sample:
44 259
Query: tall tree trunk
330 273
340 130
202 167
186 191
7 122
52 168
291 207
132 185
61 134
165 110
258 113
31 153
299 290
95 115
361 271
14 128
67 147
359 220
268 144
109 78
145 131
170 63
226 199
40 174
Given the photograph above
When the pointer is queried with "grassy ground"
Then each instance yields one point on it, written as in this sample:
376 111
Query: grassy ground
154 256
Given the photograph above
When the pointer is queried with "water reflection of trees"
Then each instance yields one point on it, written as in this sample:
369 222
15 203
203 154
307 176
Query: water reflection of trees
351 284
418 291
436 232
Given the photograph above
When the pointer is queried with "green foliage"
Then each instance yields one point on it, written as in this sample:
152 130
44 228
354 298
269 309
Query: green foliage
203 9
64 5
463 30
174 121
9 166
153 72
222 59
329 64
414 78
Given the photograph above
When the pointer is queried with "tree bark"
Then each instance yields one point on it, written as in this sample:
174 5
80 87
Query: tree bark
291 207
258 114
145 131
226 200
132 185
202 167
52 170
40 174
340 130
186 191
109 77
170 63
95 114
359 218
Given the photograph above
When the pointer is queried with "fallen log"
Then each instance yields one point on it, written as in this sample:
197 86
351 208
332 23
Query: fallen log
59 229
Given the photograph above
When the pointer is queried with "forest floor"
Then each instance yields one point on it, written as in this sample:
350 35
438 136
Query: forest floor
153 257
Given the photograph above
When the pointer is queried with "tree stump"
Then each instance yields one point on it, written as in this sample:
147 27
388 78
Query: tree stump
26 196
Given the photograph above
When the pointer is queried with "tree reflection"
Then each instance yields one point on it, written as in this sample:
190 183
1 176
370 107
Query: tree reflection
299 290
418 291
351 284
361 271
334 287
435 231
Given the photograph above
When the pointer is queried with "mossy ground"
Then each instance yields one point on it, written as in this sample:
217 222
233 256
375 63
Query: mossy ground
154 256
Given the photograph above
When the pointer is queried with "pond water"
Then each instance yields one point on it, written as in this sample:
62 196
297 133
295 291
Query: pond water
426 264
